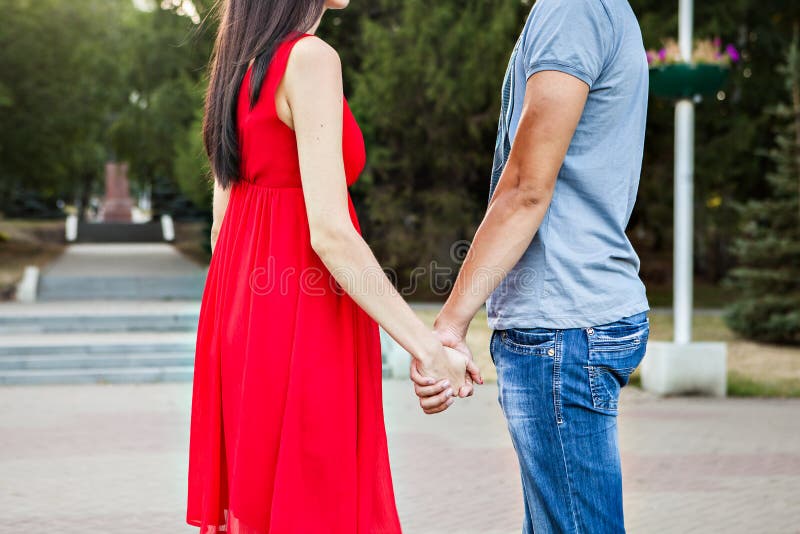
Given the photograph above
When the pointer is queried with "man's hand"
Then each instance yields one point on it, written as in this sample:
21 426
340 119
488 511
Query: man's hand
456 340
435 396
448 364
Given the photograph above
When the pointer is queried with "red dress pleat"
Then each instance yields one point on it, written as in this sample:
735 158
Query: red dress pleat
287 430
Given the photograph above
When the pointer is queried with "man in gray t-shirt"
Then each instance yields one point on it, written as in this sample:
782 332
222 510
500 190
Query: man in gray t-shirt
565 300
580 268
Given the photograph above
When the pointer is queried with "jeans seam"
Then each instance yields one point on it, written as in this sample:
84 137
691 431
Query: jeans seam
569 483
559 426
557 357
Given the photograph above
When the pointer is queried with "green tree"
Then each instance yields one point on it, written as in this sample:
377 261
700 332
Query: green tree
191 167
726 132
768 276
427 96
166 57
61 83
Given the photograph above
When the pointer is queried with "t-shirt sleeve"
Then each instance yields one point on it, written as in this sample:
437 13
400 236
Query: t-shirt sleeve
570 36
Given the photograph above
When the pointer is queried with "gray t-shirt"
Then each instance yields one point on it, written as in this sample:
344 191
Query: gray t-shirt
580 270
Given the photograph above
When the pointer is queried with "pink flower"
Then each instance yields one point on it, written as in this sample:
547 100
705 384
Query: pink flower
732 53
662 54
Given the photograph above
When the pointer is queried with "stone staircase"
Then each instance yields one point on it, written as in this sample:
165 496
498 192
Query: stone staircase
115 313
90 342
79 342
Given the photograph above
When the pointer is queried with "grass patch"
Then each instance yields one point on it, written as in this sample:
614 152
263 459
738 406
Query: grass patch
705 295
745 386
705 327
26 242
635 379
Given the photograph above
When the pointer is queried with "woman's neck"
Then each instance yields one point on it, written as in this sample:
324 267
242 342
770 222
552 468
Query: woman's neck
313 28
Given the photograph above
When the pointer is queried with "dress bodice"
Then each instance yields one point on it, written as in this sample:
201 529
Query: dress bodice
269 147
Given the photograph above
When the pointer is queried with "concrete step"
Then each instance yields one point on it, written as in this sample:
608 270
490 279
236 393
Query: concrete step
178 322
98 316
120 232
130 375
97 341
125 343
102 341
168 287
96 361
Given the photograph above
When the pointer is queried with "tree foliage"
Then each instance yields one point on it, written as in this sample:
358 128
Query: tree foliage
768 275
87 81
426 94
60 83
167 54
727 132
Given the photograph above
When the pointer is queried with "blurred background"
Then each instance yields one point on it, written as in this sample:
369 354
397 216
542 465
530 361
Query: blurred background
100 118
86 83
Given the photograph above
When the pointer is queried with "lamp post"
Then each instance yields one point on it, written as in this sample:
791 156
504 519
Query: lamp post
684 190
683 366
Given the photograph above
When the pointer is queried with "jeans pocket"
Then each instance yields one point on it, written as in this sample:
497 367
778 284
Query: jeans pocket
523 358
615 351
529 341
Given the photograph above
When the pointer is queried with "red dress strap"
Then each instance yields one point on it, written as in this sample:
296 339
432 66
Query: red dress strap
277 67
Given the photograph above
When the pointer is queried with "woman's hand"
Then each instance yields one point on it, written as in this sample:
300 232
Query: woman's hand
447 375
455 339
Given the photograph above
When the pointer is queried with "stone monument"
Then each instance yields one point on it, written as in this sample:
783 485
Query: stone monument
117 203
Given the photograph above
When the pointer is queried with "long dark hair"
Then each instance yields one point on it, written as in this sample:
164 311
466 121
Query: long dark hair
248 29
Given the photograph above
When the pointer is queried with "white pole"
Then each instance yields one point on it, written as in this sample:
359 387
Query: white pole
684 190
685 24
684 219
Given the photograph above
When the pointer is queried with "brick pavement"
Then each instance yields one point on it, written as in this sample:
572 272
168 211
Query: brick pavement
112 459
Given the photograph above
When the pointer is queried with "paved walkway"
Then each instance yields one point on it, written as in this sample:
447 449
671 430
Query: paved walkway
130 271
121 259
112 459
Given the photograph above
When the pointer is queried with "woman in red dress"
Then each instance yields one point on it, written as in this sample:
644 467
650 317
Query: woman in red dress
287 432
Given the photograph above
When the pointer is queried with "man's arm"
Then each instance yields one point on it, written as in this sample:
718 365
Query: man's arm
553 107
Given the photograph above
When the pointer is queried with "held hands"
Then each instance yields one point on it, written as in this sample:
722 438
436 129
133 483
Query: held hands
449 374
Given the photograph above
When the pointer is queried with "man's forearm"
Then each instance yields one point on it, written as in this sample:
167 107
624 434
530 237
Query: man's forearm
513 218
553 106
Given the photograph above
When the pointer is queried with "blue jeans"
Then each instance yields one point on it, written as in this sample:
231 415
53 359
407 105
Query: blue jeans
559 391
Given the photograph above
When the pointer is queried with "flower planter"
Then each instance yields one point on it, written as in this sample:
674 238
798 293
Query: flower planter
684 80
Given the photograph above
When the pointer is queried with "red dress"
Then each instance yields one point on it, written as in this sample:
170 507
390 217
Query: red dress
287 431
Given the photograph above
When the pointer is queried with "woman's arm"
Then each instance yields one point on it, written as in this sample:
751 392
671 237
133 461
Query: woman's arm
313 89
220 204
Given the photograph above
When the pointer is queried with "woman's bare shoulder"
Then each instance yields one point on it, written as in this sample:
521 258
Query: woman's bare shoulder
314 53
